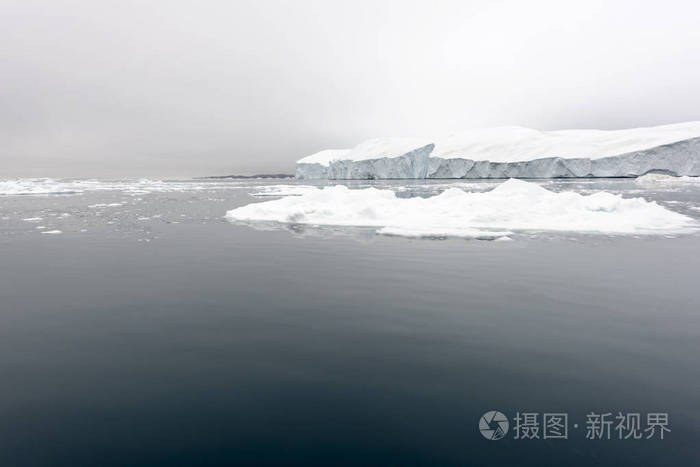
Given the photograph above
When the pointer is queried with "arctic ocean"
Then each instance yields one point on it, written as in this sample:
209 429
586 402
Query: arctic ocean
137 316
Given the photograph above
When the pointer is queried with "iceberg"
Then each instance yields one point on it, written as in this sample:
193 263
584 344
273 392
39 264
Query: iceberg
513 206
515 152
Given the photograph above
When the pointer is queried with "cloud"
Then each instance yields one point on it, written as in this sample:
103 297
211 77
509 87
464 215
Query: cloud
125 88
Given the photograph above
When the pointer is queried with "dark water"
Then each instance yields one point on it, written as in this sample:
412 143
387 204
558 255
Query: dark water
150 342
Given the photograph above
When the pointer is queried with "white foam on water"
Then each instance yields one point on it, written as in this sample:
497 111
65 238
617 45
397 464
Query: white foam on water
512 206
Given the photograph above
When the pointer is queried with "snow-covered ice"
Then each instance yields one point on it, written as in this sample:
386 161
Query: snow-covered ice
516 152
513 206
326 156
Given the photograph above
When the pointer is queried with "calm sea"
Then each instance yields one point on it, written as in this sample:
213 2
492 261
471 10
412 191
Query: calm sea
151 331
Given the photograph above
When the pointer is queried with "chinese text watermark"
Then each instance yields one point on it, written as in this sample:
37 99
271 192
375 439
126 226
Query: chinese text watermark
495 425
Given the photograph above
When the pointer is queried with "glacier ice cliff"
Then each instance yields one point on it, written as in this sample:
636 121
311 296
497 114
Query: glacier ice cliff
516 153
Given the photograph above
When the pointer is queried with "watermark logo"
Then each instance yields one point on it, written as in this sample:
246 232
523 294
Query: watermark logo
493 425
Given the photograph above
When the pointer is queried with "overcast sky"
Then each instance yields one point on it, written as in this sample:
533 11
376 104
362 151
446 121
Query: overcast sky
176 88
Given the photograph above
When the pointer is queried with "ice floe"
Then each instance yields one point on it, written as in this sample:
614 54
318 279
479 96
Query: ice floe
513 206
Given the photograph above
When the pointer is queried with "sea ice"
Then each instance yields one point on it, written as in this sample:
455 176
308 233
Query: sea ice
281 190
48 186
653 179
104 205
36 186
514 205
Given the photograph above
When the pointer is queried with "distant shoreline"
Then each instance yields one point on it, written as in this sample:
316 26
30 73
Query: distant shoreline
246 176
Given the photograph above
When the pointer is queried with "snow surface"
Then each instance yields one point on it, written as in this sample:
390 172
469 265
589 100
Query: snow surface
513 144
514 205
325 157
371 149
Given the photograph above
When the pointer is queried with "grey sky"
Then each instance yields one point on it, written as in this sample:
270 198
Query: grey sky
169 88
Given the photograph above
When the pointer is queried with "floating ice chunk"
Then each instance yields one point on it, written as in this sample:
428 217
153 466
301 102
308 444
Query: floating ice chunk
514 205
282 190
104 205
430 232
657 179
